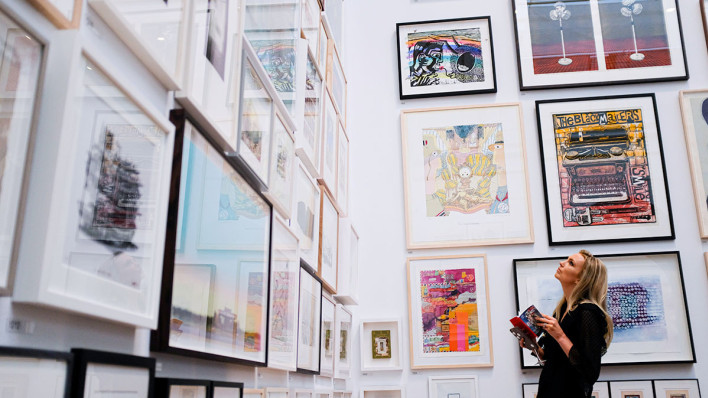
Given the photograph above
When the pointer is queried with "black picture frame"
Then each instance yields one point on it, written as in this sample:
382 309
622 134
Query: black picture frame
160 338
318 344
164 384
698 385
522 302
486 49
598 77
606 382
226 384
68 358
649 195
84 357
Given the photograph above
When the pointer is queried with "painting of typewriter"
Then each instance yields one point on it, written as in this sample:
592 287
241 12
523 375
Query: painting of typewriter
603 168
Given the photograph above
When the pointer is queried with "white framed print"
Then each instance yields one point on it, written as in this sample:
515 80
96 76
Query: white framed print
327 264
308 137
29 372
281 169
465 178
600 389
104 244
381 344
306 220
382 392
328 150
453 386
254 393
348 264
632 389
343 333
342 193
99 373
327 350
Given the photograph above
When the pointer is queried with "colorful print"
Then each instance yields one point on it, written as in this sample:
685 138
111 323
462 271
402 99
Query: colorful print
465 170
449 310
637 310
603 168
445 57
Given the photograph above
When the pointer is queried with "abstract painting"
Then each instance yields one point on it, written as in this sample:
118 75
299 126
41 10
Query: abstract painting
637 311
278 59
445 57
380 344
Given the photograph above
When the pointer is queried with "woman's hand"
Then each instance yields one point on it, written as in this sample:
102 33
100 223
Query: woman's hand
551 326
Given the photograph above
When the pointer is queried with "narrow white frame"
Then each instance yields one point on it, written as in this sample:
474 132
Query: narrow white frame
281 168
327 261
303 215
472 392
342 367
390 391
348 265
328 315
370 364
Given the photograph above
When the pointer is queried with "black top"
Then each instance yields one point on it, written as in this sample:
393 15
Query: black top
573 375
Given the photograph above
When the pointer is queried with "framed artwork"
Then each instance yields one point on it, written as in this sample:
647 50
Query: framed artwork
223 389
215 288
677 388
645 298
99 373
35 373
453 387
343 171
328 151
310 23
154 30
343 342
337 82
593 43
64 14
329 230
324 38
308 138
382 392
281 169
210 88
600 389
277 392
694 109
335 17
327 350
309 321
455 332
347 264
284 290
381 344
632 389
254 393
465 178
20 68
604 172
302 393
103 246
445 57
306 220
182 388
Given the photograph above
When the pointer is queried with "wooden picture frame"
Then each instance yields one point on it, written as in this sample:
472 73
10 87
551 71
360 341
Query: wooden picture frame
69 18
695 128
467 277
328 259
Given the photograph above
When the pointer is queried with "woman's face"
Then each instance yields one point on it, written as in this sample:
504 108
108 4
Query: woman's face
568 272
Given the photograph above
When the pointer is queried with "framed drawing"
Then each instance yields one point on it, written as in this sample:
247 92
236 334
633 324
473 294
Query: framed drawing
381 344
445 57
302 393
645 298
694 109
281 169
347 264
632 389
210 87
182 388
215 288
102 248
99 373
604 171
284 290
600 389
342 171
382 392
224 389
343 342
465 178
309 135
254 393
308 331
310 22
677 388
335 17
327 350
455 332
277 392
592 43
154 30
306 220
329 229
453 386
328 150
337 82
20 68
64 14
35 373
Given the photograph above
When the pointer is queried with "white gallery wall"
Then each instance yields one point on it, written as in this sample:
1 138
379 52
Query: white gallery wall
377 195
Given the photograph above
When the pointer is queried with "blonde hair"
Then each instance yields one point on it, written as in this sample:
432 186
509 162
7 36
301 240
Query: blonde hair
591 288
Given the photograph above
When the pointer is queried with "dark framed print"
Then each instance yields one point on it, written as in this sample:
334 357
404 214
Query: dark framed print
214 301
645 298
603 170
632 389
309 321
226 389
677 388
98 374
600 389
28 372
182 388
445 57
591 42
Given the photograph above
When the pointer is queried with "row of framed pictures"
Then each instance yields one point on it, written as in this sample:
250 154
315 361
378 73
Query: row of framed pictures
559 44
664 388
449 313
80 373
192 388
603 168
280 392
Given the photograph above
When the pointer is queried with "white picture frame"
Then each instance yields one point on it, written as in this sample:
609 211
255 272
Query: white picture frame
348 263
382 392
308 137
281 169
306 220
254 393
327 349
453 386
328 148
35 373
327 262
367 343
632 389
343 171
343 337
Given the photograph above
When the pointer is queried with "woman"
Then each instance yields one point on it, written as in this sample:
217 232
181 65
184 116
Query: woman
579 332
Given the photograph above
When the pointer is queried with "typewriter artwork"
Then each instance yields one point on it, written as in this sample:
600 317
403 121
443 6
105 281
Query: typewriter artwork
603 168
